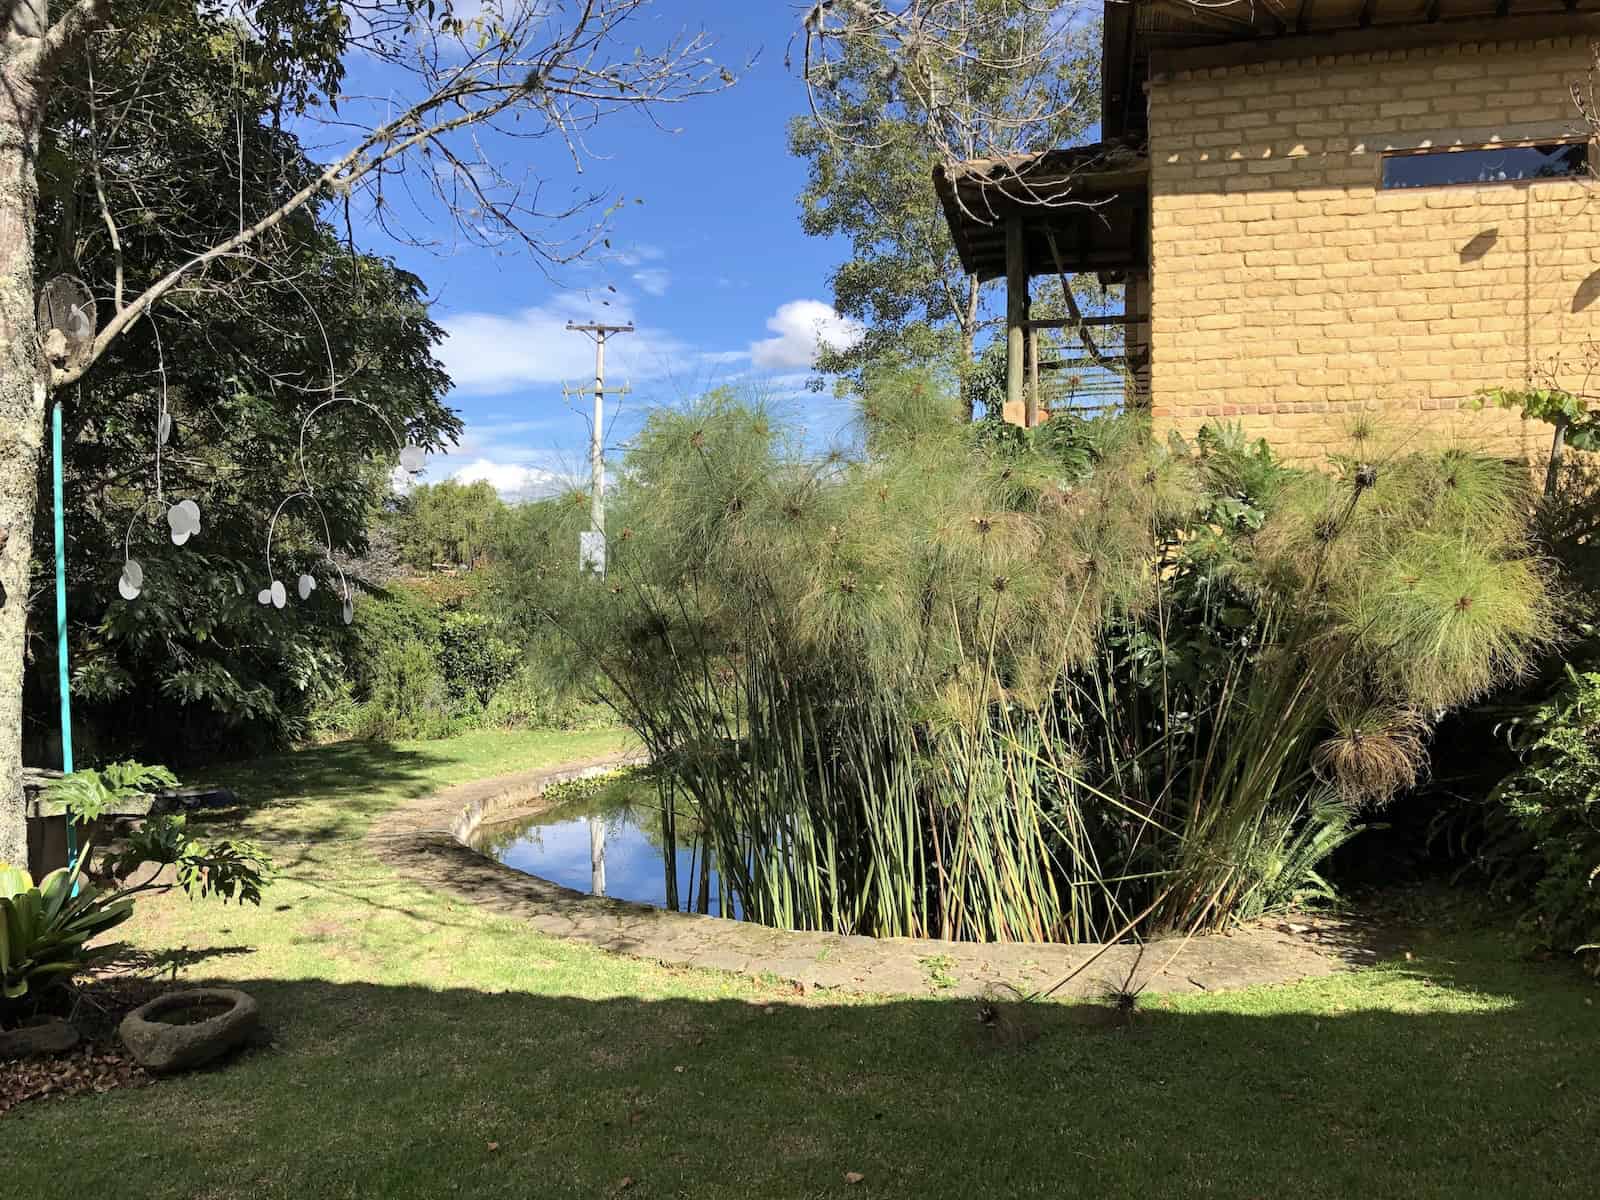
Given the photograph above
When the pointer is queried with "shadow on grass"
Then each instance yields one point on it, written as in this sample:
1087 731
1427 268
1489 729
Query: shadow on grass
331 789
342 772
406 1091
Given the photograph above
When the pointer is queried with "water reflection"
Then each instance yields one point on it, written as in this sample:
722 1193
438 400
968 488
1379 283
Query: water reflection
612 842
597 855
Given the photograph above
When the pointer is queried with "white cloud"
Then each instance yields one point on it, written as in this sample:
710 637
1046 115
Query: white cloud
803 327
493 353
653 281
632 256
514 481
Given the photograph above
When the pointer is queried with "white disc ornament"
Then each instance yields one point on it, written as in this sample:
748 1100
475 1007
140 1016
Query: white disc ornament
279 596
264 596
80 324
306 586
183 518
164 428
412 457
348 611
131 582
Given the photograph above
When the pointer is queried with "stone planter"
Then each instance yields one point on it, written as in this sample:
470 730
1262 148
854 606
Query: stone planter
163 1038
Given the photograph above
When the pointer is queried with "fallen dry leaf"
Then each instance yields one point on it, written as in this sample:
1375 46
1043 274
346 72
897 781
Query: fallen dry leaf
494 1145
853 1176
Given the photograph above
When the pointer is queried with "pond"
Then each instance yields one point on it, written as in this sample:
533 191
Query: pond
604 837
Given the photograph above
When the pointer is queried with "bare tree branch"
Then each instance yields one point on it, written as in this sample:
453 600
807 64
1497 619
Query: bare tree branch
516 72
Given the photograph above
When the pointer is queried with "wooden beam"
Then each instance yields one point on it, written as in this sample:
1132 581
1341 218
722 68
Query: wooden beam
1016 309
1132 91
1070 323
1031 411
1084 364
1363 41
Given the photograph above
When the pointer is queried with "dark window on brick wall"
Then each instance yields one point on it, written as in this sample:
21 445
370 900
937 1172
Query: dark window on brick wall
1501 164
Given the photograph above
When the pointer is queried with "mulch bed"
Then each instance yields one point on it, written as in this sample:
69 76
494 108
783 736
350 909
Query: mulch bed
99 1062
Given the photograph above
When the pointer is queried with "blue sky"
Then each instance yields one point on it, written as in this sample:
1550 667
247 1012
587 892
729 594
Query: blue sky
712 267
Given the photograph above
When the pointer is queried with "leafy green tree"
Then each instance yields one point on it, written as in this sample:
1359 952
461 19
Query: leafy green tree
545 73
475 661
196 662
894 89
447 522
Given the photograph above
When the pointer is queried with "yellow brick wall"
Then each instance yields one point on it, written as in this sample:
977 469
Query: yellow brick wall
1291 294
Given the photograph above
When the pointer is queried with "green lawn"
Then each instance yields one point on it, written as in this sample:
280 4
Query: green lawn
425 1049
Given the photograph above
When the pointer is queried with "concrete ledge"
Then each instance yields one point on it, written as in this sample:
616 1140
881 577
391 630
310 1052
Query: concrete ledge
517 792
424 840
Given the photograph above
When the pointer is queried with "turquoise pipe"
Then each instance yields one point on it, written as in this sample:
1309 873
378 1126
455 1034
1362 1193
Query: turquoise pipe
61 622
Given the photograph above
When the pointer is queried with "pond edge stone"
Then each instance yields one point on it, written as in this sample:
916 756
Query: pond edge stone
425 840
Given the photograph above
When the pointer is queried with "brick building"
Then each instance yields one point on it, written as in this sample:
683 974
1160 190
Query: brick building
1318 208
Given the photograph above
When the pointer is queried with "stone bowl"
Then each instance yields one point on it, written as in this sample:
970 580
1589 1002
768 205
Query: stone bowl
185 1029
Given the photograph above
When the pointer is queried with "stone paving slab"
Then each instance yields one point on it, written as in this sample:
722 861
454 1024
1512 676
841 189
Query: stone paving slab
425 840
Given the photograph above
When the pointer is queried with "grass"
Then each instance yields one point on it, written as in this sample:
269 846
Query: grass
426 1048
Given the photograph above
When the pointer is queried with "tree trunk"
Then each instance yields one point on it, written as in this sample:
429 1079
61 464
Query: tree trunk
969 335
1558 448
24 390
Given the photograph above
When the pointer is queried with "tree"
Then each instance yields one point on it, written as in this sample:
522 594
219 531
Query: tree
196 664
895 88
456 94
447 522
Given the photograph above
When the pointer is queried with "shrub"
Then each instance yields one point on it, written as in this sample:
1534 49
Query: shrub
475 663
1551 850
1031 687
529 701
408 696
46 929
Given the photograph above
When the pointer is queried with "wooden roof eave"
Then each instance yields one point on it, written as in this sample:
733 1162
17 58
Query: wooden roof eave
979 197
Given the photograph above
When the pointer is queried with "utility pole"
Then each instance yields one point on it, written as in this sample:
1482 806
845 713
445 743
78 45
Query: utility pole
592 552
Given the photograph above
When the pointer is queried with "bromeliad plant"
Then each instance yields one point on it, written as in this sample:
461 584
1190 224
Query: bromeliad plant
46 928
980 689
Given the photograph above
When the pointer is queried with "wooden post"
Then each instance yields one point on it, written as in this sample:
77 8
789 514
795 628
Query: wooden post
1016 315
1033 378
1136 339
